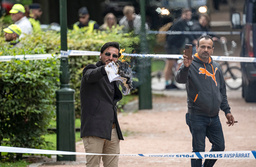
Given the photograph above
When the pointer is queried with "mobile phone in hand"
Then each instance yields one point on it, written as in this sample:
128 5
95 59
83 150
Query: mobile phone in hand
188 51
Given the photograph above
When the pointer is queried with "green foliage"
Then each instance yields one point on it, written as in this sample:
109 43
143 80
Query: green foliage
27 101
5 21
24 2
16 164
38 43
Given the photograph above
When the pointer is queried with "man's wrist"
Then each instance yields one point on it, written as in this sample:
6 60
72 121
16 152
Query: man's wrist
227 112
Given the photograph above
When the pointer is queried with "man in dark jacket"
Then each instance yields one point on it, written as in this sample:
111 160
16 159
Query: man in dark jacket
174 45
99 124
206 95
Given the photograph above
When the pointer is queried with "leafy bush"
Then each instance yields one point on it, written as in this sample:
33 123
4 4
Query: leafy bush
27 101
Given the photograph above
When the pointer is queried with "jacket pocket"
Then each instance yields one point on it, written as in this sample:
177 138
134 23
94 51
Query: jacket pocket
195 97
202 101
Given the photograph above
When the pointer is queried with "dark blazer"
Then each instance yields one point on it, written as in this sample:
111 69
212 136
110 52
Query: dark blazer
98 103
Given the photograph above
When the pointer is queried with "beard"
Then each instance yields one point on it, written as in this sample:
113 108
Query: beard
205 55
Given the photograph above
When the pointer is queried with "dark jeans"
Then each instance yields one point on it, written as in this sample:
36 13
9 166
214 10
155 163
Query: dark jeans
201 127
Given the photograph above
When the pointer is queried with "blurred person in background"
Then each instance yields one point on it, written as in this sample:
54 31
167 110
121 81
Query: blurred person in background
35 13
18 16
11 34
203 25
131 21
175 44
84 22
109 22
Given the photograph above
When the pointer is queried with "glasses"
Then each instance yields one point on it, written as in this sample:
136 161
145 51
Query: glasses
113 55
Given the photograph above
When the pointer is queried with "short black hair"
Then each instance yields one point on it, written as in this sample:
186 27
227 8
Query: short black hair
82 11
110 44
206 37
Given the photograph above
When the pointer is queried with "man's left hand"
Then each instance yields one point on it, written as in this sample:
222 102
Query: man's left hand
125 71
231 119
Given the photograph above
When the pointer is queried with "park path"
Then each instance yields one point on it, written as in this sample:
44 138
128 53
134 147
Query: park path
163 130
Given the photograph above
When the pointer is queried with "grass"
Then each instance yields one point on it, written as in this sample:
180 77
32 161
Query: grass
53 123
52 138
14 164
157 65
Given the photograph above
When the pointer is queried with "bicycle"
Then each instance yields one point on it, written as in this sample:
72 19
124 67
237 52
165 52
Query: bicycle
232 74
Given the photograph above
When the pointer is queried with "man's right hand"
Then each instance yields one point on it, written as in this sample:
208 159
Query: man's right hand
186 60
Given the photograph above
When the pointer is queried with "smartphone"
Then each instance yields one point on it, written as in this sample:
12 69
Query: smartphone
188 51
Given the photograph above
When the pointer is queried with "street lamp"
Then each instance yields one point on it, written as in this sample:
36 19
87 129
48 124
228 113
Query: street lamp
65 97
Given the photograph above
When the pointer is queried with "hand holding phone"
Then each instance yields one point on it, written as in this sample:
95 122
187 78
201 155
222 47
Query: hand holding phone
188 51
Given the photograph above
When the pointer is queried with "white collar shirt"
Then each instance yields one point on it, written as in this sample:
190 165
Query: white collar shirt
25 26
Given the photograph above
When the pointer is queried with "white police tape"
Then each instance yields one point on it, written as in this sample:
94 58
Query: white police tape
193 155
94 53
195 32
161 56
28 57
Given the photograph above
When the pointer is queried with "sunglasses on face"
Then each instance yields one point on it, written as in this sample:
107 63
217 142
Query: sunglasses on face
113 55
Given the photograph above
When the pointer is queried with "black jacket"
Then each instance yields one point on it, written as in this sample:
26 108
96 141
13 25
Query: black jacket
198 27
98 103
206 88
178 41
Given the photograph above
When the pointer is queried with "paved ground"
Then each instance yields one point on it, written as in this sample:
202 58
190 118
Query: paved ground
163 130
